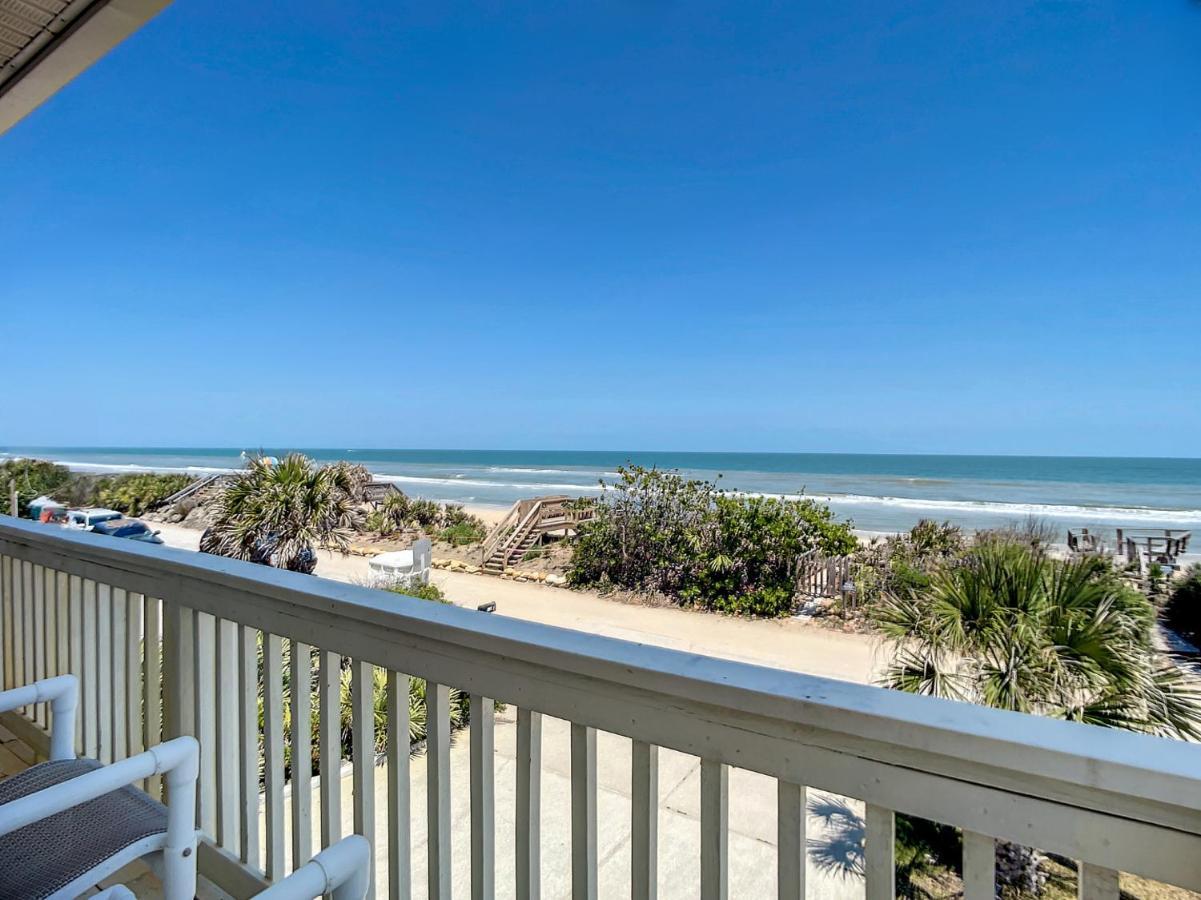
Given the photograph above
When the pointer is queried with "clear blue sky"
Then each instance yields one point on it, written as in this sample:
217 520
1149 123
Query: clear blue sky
937 226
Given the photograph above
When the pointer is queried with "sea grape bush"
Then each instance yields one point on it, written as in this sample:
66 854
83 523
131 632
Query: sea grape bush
656 531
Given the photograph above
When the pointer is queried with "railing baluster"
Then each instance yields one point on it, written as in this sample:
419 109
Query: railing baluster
483 798
790 840
329 699
116 683
979 866
400 879
27 619
362 687
437 773
715 818
50 599
301 681
529 805
204 661
133 674
6 638
104 671
1097 883
91 667
227 746
644 824
583 812
152 661
879 853
37 615
248 756
62 597
75 651
273 738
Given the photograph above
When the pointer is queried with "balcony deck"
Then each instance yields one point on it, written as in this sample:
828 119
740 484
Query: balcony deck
704 768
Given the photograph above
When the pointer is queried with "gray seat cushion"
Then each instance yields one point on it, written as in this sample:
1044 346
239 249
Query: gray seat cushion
46 856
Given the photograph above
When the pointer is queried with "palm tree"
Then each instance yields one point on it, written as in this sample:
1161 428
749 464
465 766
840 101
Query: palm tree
1010 627
277 513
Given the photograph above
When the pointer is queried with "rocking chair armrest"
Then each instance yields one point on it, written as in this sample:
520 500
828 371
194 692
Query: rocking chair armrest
341 870
62 693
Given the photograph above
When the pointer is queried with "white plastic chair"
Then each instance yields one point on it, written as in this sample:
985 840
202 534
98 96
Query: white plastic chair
341 871
67 824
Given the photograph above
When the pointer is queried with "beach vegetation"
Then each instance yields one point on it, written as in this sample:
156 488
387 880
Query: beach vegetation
32 478
1183 609
450 522
656 531
278 513
1007 625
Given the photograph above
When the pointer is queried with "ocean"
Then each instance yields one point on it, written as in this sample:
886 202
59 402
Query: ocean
878 492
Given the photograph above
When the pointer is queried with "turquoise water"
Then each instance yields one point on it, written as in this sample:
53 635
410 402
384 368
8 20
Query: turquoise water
879 492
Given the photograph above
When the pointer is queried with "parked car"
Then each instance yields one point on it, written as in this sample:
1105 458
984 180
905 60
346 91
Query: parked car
88 518
130 529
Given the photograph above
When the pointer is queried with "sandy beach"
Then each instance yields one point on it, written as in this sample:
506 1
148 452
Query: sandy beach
792 644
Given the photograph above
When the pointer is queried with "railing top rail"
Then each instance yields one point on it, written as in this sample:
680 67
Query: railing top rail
782 723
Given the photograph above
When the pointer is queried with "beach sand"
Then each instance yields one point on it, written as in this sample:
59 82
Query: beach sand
792 644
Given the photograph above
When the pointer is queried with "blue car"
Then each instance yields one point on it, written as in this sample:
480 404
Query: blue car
131 529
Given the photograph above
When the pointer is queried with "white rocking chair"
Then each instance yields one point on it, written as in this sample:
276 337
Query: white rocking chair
69 823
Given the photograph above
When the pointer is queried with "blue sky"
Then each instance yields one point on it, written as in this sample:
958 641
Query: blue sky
937 226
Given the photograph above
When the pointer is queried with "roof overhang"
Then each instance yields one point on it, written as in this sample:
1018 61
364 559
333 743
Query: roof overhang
46 43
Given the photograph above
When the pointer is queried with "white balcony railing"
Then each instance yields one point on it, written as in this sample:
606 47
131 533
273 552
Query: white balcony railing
110 610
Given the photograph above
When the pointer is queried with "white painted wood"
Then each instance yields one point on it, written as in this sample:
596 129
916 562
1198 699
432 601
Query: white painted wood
979 866
75 651
30 621
791 840
329 699
229 770
6 615
400 876
879 853
1097 883
273 749
133 675
362 688
88 675
583 813
104 672
1124 801
152 682
437 773
204 657
37 615
302 753
52 632
62 596
118 620
483 798
644 824
529 805
715 830
248 744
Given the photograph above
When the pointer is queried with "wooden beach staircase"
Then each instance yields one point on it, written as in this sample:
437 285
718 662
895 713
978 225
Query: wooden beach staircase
188 490
524 526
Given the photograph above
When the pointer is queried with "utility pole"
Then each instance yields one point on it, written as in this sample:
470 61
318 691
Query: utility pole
12 497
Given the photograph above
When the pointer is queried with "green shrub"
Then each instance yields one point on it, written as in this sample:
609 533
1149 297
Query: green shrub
421 590
33 477
464 533
134 494
656 531
1183 610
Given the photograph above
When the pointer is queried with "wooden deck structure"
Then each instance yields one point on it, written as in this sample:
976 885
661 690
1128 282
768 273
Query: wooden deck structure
524 526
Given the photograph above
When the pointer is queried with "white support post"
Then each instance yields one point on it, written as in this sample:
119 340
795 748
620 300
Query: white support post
529 805
583 813
483 798
790 840
644 824
715 819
